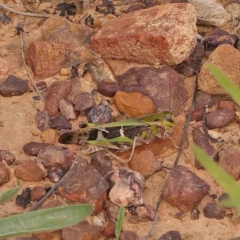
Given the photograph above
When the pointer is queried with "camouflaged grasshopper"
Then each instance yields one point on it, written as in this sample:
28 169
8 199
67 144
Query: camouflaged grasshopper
122 135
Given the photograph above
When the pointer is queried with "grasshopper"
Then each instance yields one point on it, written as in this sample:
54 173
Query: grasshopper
122 135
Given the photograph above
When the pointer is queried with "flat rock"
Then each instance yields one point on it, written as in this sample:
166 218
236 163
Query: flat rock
37 193
184 189
56 157
219 118
229 66
212 210
165 34
134 104
145 163
31 170
230 161
82 231
107 89
163 85
67 109
46 58
33 148
60 122
56 92
210 12
4 174
83 184
83 101
126 187
13 86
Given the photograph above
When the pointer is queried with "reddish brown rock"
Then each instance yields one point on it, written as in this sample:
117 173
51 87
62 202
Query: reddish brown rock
197 115
145 213
4 174
212 210
60 122
83 184
100 114
219 118
33 148
230 161
109 230
13 86
56 92
56 157
184 189
203 142
226 105
129 235
145 163
171 235
134 104
203 99
164 34
7 156
82 231
126 187
31 170
67 109
101 162
163 85
46 58
84 101
37 193
107 89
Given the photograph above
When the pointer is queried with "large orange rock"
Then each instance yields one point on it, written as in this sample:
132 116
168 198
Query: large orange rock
134 104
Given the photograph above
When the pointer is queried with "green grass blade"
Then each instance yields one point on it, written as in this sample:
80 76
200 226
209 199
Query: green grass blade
222 177
119 224
112 140
10 194
226 83
44 220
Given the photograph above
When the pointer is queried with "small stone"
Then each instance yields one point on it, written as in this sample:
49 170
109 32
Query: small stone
171 235
56 92
84 101
6 155
129 235
65 71
37 193
226 105
49 136
82 231
219 118
13 86
67 109
202 100
223 197
33 148
134 104
158 35
4 174
195 214
42 86
145 213
83 184
31 170
230 161
76 89
109 230
203 142
46 58
212 210
184 189
24 199
56 157
112 211
101 162
60 122
43 120
145 163
126 187
107 89
197 115
55 175
100 114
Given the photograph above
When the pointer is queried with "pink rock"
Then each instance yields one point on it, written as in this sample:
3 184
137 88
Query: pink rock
163 34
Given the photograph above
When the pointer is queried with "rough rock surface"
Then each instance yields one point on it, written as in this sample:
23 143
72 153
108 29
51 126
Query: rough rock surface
134 104
163 85
33 148
227 59
83 184
184 189
164 34
212 210
4 174
46 58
